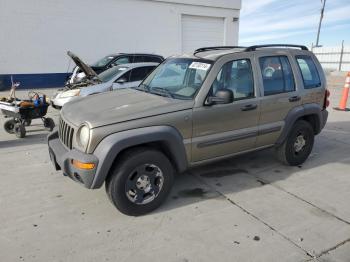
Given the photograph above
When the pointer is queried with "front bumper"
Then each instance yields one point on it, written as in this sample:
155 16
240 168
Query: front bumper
61 157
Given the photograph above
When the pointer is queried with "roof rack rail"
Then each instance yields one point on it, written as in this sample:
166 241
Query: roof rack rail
203 49
254 47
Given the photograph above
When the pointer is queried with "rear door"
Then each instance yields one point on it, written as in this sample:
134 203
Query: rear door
280 94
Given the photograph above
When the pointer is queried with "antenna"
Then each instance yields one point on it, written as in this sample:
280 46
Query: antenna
320 24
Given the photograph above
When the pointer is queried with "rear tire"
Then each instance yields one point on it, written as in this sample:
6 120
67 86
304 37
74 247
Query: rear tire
20 130
9 126
140 182
298 145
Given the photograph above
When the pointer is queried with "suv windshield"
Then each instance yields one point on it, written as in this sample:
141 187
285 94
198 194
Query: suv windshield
178 78
111 73
103 62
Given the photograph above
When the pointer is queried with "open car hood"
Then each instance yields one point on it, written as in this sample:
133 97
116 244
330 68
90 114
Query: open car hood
89 72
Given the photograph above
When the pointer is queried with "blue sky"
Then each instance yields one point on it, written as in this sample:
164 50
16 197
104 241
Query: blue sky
294 21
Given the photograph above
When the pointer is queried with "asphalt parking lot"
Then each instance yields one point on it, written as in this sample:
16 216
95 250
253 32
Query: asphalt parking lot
249 208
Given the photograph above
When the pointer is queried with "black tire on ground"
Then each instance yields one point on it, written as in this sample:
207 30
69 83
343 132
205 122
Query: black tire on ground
298 145
28 122
20 130
49 123
126 186
9 126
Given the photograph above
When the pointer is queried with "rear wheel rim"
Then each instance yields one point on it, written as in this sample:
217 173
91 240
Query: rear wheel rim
144 184
300 143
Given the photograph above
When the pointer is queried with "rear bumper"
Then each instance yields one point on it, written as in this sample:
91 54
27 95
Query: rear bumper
61 157
324 116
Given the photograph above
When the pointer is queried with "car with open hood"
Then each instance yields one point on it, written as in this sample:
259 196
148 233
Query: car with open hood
112 60
122 76
191 110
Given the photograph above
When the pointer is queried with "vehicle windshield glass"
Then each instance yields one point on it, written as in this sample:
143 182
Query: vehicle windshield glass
109 74
179 78
103 62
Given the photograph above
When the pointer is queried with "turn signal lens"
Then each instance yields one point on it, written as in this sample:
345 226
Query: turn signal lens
81 165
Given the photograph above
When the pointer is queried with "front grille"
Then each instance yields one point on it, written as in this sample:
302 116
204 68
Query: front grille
65 133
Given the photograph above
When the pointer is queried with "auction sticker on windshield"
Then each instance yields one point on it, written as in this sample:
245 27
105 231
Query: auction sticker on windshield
200 66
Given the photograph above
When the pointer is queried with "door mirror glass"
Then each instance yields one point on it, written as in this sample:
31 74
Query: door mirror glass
223 96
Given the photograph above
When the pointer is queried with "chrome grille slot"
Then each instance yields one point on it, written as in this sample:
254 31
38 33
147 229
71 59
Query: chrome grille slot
65 133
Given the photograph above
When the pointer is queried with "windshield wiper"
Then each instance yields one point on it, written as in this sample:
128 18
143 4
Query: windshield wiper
162 91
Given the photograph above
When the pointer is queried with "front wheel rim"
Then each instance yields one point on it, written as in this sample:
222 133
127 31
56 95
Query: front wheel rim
144 184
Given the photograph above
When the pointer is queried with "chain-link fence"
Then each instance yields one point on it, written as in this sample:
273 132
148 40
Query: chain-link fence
334 58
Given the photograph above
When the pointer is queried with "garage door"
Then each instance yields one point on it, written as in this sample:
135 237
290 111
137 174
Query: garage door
201 31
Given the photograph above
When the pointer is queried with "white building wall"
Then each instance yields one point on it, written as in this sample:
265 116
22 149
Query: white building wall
36 34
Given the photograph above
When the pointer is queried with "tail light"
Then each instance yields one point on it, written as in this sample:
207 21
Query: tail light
326 99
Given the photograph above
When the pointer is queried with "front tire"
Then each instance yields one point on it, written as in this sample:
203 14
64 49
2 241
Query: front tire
298 145
49 124
140 182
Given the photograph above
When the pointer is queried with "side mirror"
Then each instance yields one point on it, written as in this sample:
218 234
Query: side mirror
223 96
121 80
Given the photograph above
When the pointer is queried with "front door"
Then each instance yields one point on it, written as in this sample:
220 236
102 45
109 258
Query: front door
221 130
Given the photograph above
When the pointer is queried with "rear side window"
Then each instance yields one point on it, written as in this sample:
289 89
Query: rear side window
154 59
309 72
138 59
121 60
139 74
277 75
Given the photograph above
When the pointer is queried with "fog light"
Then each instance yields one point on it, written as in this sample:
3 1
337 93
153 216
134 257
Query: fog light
81 165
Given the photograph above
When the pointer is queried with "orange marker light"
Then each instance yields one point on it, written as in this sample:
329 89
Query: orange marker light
81 165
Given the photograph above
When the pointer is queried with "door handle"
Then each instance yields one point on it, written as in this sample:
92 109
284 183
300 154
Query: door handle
249 107
294 99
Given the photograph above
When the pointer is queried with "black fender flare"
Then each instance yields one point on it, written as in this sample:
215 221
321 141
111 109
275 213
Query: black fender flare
110 147
299 112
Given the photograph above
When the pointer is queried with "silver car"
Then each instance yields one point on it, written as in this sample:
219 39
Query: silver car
123 76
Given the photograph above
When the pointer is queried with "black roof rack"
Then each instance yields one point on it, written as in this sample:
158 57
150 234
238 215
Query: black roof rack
254 47
204 49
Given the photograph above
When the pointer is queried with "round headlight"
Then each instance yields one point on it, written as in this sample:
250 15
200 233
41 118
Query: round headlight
83 136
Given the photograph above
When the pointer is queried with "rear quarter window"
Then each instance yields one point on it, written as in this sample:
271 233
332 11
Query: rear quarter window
309 72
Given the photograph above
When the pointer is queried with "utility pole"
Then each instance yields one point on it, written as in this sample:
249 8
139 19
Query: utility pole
320 24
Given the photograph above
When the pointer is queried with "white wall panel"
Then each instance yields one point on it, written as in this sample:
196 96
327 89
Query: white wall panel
35 34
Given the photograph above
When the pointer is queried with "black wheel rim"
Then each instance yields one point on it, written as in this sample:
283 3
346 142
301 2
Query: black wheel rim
144 184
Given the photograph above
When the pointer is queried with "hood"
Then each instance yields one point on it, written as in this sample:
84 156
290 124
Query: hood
120 106
88 71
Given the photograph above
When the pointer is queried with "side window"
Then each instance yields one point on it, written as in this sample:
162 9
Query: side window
236 76
277 75
149 69
138 74
137 59
126 75
120 61
309 72
154 59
